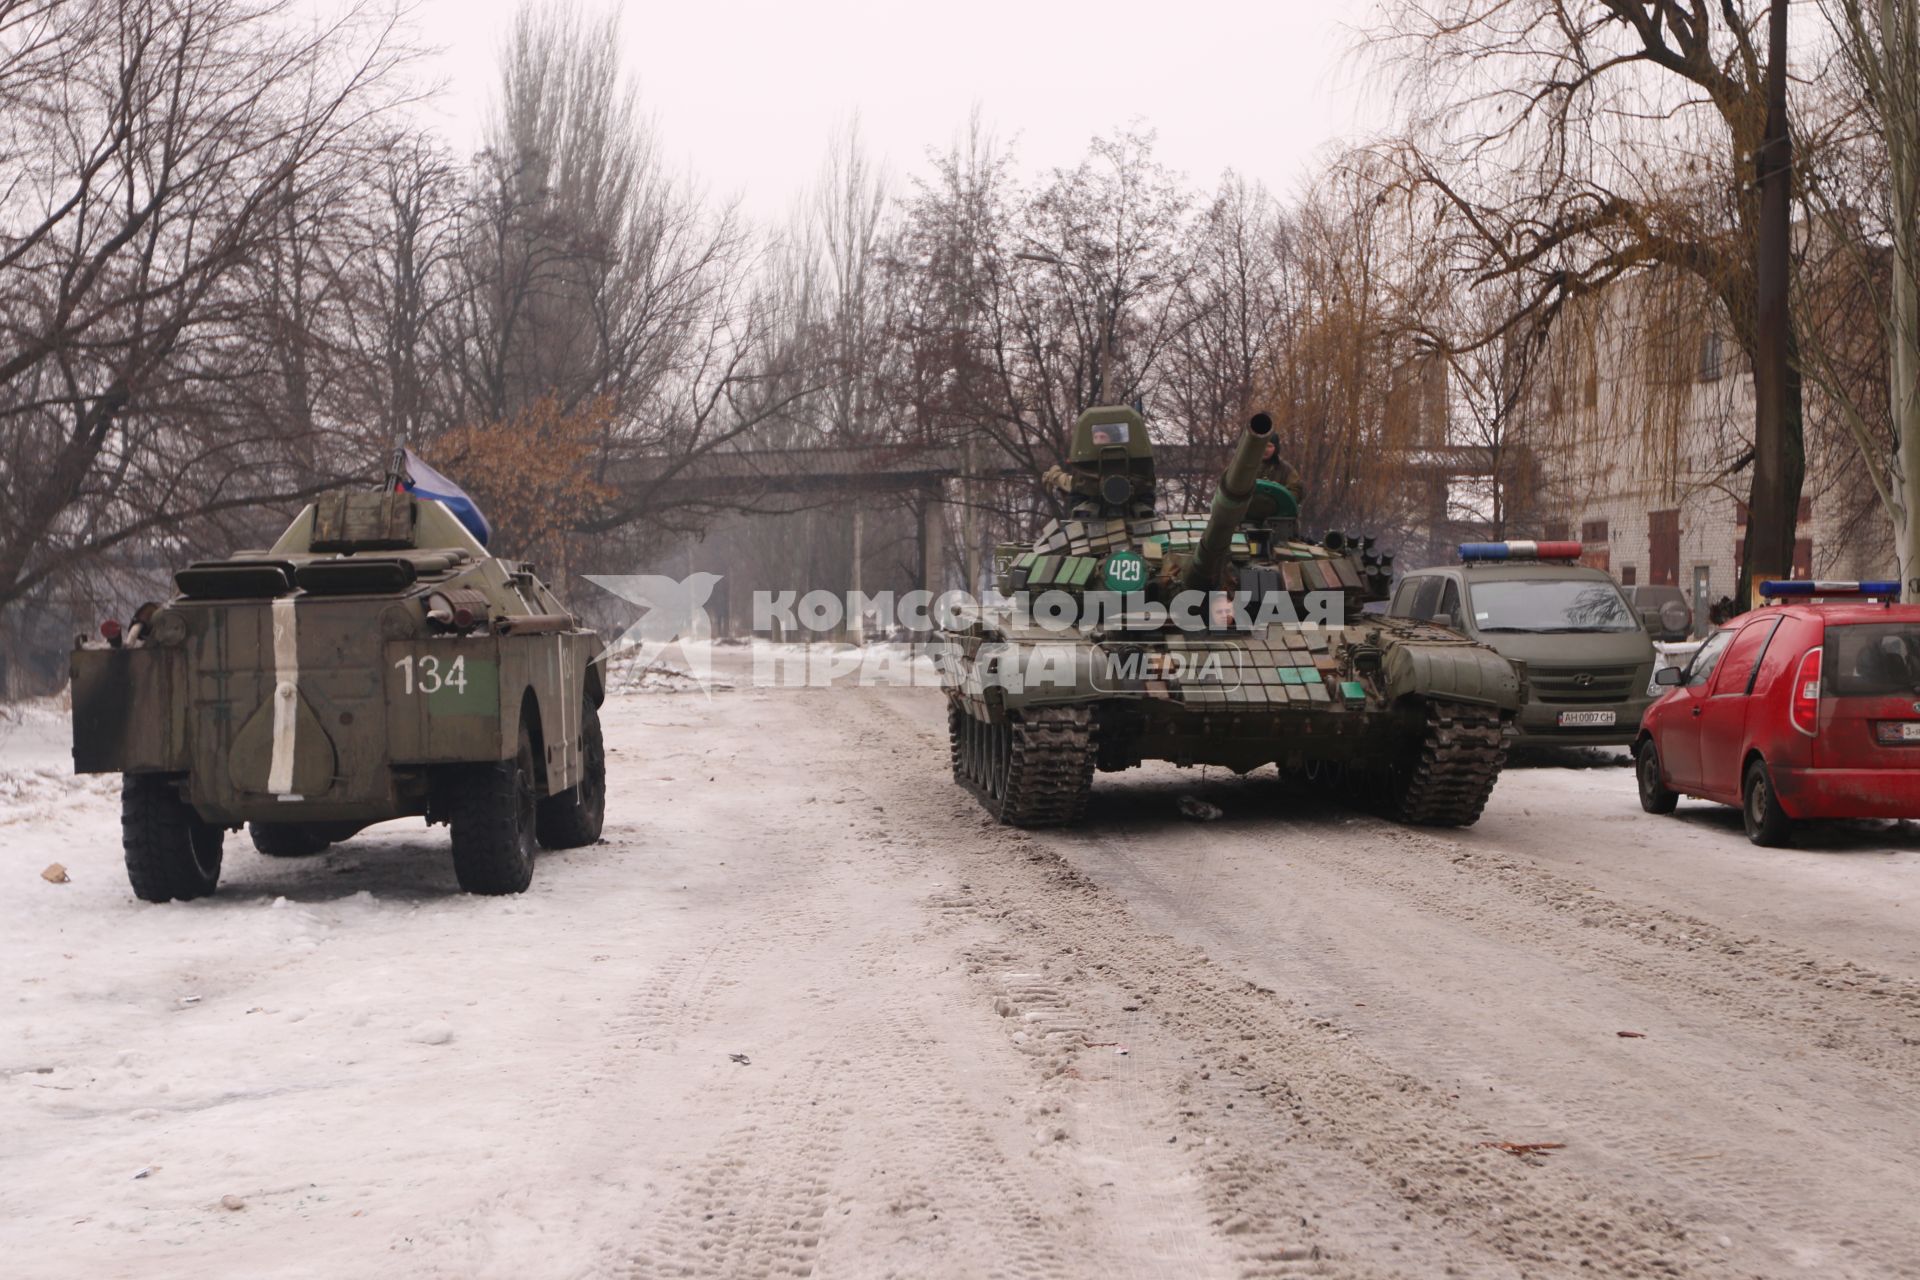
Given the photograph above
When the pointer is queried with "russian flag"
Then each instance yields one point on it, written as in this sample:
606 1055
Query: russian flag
421 480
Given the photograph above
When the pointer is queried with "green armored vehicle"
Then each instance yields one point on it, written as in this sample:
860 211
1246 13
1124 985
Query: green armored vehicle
1227 639
376 662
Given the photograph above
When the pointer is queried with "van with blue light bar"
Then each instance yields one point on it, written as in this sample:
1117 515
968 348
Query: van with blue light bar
1807 707
1586 654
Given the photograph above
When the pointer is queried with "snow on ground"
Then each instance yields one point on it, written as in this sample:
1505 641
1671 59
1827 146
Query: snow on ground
804 1011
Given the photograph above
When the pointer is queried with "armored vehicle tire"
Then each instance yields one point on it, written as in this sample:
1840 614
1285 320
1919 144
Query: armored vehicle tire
1767 823
1033 769
1655 795
171 853
492 813
287 839
1445 779
574 816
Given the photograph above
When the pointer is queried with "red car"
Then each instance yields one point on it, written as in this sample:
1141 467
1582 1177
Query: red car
1806 708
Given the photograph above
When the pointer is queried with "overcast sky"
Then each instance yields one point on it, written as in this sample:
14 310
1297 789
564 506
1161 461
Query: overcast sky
746 93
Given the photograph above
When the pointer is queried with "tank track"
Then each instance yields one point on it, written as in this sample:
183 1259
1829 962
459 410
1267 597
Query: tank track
1447 781
1034 769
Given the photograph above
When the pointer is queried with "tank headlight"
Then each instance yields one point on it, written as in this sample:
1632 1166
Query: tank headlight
167 627
397 623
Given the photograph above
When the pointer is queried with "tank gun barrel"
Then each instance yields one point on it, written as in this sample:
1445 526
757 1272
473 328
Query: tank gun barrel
1230 501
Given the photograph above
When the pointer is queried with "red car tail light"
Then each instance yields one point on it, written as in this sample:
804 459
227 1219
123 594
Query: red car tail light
1804 710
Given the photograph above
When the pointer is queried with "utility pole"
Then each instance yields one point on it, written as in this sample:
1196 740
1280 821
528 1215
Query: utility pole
1779 459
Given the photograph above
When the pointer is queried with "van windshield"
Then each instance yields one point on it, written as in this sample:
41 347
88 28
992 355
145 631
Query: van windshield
1872 658
1572 604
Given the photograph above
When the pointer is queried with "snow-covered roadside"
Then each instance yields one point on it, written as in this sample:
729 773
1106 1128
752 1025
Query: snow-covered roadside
344 1047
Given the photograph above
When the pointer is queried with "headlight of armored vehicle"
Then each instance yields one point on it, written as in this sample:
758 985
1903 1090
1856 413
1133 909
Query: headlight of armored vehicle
397 622
167 627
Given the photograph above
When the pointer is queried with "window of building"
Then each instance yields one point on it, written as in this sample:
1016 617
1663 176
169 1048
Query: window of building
1712 356
1590 393
1663 548
1593 531
1554 531
1628 574
1553 399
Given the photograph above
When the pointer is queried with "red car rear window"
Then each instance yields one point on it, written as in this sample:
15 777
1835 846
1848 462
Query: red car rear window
1872 659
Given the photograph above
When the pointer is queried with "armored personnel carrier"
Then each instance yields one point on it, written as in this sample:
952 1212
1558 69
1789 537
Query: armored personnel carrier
376 662
1229 639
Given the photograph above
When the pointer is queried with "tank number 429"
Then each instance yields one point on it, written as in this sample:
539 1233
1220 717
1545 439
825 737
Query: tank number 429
425 674
1124 571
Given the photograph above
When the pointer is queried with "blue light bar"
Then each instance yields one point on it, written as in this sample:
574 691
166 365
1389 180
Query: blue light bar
1472 551
1809 588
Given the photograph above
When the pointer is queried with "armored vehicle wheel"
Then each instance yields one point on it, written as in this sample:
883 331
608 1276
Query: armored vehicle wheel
574 816
1444 781
171 853
287 839
1033 769
491 811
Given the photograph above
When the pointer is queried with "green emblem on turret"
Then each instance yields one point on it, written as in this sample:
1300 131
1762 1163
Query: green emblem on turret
1125 572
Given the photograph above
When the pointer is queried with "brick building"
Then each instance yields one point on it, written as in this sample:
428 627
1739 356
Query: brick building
1644 419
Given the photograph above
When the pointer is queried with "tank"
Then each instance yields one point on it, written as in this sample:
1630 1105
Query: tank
1123 634
376 662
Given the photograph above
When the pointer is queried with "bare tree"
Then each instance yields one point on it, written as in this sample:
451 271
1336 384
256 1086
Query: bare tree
1233 307
1872 216
1580 144
150 152
1353 381
1495 396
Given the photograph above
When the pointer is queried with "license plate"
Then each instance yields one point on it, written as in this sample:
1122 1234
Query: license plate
1910 731
1576 719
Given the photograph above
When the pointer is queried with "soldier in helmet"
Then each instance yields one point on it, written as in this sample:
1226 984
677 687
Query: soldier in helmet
1109 471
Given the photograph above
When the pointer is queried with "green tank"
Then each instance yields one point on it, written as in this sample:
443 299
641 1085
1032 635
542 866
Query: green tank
376 662
1123 634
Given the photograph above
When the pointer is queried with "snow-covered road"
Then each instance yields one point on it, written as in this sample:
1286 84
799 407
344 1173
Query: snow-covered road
805 1012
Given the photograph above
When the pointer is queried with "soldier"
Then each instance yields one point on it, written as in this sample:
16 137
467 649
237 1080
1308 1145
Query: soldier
1277 469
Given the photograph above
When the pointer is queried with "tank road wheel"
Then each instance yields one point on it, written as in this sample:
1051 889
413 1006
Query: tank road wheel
171 853
1446 780
491 811
957 740
574 817
287 839
1033 769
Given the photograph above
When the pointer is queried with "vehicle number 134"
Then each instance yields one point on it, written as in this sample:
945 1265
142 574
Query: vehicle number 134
426 674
